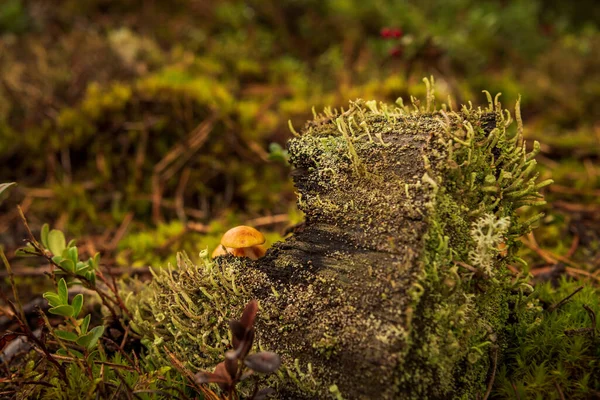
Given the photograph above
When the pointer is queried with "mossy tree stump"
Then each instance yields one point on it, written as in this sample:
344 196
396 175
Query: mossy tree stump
397 285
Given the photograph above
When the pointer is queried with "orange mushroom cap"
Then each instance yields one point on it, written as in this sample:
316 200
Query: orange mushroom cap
219 251
242 236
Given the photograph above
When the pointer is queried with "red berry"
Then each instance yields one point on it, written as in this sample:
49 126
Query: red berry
395 52
396 33
386 32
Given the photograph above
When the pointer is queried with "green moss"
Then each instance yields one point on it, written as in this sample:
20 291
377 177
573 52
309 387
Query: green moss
553 350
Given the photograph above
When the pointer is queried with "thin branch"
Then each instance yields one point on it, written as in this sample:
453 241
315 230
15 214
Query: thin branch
31 336
13 285
493 378
592 315
563 301
560 393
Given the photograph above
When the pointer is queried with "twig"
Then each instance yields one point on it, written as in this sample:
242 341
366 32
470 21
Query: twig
208 394
108 364
592 315
117 300
493 378
140 154
515 390
560 393
13 285
533 245
467 267
574 245
563 301
31 336
157 190
569 190
179 193
130 391
174 160
574 207
550 257
269 220
197 227
577 271
120 231
47 268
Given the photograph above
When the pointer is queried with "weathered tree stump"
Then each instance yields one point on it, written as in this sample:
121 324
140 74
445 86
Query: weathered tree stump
397 284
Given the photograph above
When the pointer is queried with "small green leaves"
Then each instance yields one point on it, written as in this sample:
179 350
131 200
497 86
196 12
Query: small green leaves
86 323
66 335
69 353
66 256
90 339
71 253
59 302
53 299
64 310
56 242
77 305
63 292
67 265
44 234
27 251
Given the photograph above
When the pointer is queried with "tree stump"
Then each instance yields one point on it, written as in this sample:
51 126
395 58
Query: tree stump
397 284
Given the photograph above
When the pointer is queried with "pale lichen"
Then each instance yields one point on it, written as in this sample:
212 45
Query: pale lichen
487 232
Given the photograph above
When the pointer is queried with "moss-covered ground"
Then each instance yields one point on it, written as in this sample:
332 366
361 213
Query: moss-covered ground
142 130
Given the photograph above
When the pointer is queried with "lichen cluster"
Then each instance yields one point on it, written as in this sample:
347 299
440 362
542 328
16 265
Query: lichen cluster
187 310
398 284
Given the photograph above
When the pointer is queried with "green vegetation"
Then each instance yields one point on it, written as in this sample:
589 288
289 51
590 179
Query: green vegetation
146 131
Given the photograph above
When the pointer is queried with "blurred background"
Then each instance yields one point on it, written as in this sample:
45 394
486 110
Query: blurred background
141 128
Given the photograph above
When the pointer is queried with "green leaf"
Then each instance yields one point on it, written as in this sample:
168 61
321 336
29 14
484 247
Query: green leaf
95 261
5 186
72 243
68 265
53 299
93 356
66 335
91 276
64 310
72 254
77 304
69 353
24 252
63 291
56 242
90 339
44 234
82 268
62 352
86 323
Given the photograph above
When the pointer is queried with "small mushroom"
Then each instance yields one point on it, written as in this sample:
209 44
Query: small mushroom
241 241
